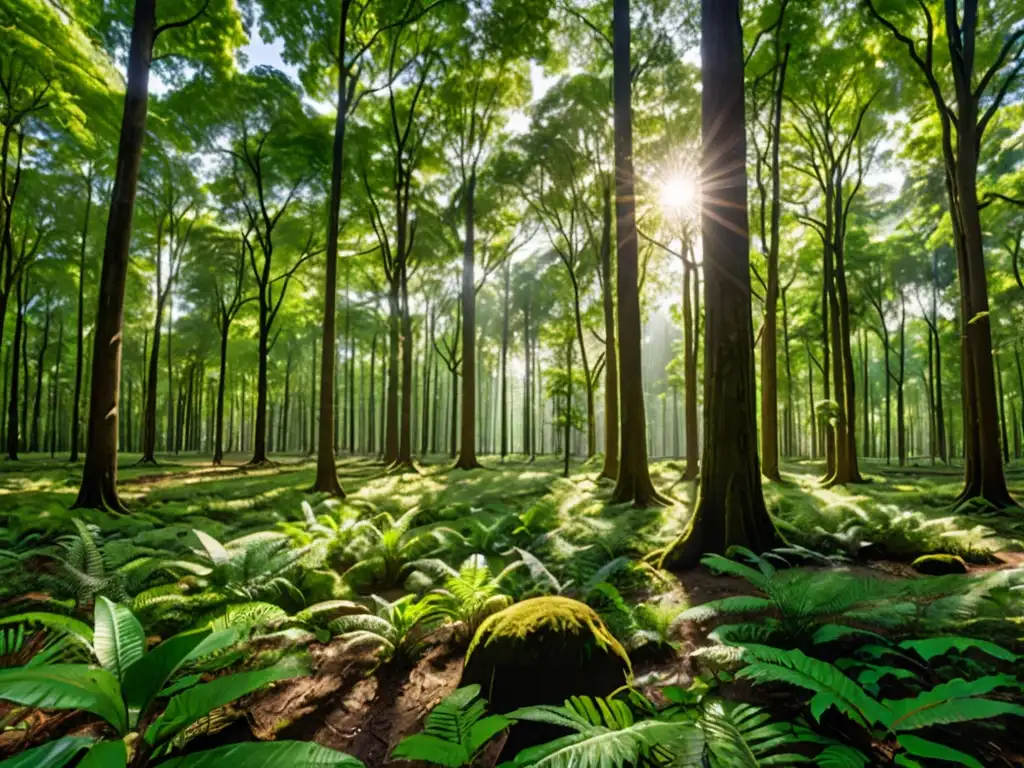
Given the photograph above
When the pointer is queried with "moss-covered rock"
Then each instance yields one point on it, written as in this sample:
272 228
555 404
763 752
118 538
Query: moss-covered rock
321 586
542 651
939 565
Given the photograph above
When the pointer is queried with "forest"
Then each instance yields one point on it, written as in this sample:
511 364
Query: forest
521 383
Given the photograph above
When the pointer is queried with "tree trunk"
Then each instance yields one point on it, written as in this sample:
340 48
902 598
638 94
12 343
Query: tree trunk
218 445
259 450
690 376
13 429
504 364
901 431
428 334
55 397
610 469
730 508
634 481
394 342
99 476
404 458
1002 410
326 473
35 442
371 427
80 341
568 405
467 444
149 417
769 333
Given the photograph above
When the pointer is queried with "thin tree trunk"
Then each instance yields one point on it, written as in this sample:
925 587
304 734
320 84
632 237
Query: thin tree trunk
76 418
610 469
467 447
504 364
690 376
36 443
13 429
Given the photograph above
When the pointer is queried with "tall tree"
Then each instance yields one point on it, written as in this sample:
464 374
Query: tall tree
205 33
964 120
730 508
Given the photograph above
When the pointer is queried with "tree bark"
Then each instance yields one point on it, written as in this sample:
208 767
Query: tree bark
35 442
467 444
769 333
76 418
690 375
13 429
730 508
610 469
634 481
99 477
504 362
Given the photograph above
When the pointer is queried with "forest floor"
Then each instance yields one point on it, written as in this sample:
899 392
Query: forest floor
899 514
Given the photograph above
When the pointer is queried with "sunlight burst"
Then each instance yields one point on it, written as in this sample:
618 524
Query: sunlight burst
678 195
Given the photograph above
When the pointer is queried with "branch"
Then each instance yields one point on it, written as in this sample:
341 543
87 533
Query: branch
182 22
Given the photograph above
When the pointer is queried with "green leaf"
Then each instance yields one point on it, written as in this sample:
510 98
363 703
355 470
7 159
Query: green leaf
919 747
106 754
271 754
197 702
432 749
54 621
768 664
929 648
119 639
144 679
52 754
214 549
483 731
66 686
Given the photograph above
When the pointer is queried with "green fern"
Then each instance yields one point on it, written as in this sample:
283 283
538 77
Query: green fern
396 632
604 733
454 732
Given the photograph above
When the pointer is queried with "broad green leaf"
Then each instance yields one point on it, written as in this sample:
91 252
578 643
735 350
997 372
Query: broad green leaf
52 754
106 754
197 702
119 639
66 686
271 754
484 730
144 679
432 749
919 747
214 549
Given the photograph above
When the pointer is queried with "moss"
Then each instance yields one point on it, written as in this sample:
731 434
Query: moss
320 586
939 565
550 614
542 651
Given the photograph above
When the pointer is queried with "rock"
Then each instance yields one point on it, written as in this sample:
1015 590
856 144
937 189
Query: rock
542 651
939 565
321 586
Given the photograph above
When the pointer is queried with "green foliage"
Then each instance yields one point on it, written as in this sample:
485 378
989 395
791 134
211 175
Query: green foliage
470 594
955 701
605 732
806 608
384 546
124 690
454 732
395 632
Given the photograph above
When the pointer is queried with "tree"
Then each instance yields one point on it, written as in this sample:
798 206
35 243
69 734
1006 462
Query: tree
730 508
634 482
174 198
964 121
216 33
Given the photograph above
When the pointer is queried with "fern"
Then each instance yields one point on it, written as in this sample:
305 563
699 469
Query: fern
454 732
605 733
743 736
396 632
